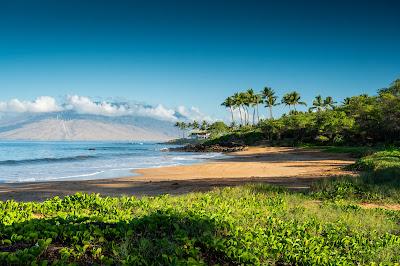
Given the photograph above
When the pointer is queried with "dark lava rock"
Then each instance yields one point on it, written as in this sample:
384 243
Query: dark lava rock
231 147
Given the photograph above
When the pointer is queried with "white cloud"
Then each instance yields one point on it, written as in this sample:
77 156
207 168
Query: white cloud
42 104
158 111
193 113
85 105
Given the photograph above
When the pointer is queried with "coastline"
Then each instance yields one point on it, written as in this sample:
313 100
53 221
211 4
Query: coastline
295 168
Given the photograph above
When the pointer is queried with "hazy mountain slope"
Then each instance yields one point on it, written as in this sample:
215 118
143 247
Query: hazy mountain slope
81 129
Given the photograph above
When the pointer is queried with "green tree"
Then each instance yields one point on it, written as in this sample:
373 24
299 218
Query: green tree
253 102
245 103
258 100
270 99
394 88
346 101
182 126
292 99
229 103
204 125
318 104
329 103
195 124
238 101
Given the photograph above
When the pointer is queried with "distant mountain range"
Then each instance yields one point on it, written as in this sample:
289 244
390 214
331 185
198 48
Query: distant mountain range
69 125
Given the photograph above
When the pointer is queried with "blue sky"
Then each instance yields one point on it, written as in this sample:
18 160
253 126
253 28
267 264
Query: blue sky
195 53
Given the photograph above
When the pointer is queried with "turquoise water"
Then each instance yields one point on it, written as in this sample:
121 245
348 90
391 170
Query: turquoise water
33 161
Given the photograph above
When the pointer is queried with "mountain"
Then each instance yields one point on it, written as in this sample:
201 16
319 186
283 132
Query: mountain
69 125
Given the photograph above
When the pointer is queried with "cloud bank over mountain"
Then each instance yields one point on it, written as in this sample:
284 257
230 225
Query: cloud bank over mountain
85 105
42 104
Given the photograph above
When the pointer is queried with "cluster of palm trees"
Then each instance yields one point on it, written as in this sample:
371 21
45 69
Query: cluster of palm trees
243 101
191 125
320 104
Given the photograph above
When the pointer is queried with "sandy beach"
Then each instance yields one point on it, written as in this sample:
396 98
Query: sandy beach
294 168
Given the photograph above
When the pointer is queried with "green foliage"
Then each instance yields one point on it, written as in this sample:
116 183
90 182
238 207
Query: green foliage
244 135
251 225
183 141
359 120
379 182
218 128
355 151
365 187
387 161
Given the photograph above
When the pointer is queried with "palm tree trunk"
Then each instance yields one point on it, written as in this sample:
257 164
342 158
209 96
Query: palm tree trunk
258 116
254 114
233 121
244 115
241 118
270 113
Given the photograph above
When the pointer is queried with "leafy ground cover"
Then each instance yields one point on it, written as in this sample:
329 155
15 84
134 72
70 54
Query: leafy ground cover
251 225
379 180
387 160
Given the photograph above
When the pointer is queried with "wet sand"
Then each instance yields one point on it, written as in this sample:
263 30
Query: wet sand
291 167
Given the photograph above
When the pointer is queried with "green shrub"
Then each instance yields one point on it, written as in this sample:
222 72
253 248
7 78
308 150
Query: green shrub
251 225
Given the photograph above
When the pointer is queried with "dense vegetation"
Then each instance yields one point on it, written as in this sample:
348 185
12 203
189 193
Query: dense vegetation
378 181
359 120
253 225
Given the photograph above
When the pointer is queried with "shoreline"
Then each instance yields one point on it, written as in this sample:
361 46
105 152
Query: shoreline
295 168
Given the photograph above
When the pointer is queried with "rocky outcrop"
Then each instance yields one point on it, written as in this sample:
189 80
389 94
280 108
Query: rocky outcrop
232 147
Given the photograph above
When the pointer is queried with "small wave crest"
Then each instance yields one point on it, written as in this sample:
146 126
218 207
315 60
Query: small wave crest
47 160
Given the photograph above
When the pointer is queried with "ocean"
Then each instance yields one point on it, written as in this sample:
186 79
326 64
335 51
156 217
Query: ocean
35 161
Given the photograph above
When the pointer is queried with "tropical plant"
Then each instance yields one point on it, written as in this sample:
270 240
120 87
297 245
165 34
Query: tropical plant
229 103
346 101
318 104
292 99
182 126
394 88
245 225
329 103
258 100
204 125
253 102
270 98
195 124
238 104
244 96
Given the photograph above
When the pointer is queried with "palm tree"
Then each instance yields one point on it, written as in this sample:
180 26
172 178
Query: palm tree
244 99
258 100
287 100
393 89
182 126
229 103
252 100
204 125
268 94
318 103
238 103
292 98
195 124
329 103
347 101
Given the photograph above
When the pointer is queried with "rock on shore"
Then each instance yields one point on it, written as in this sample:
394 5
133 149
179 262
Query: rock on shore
231 147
